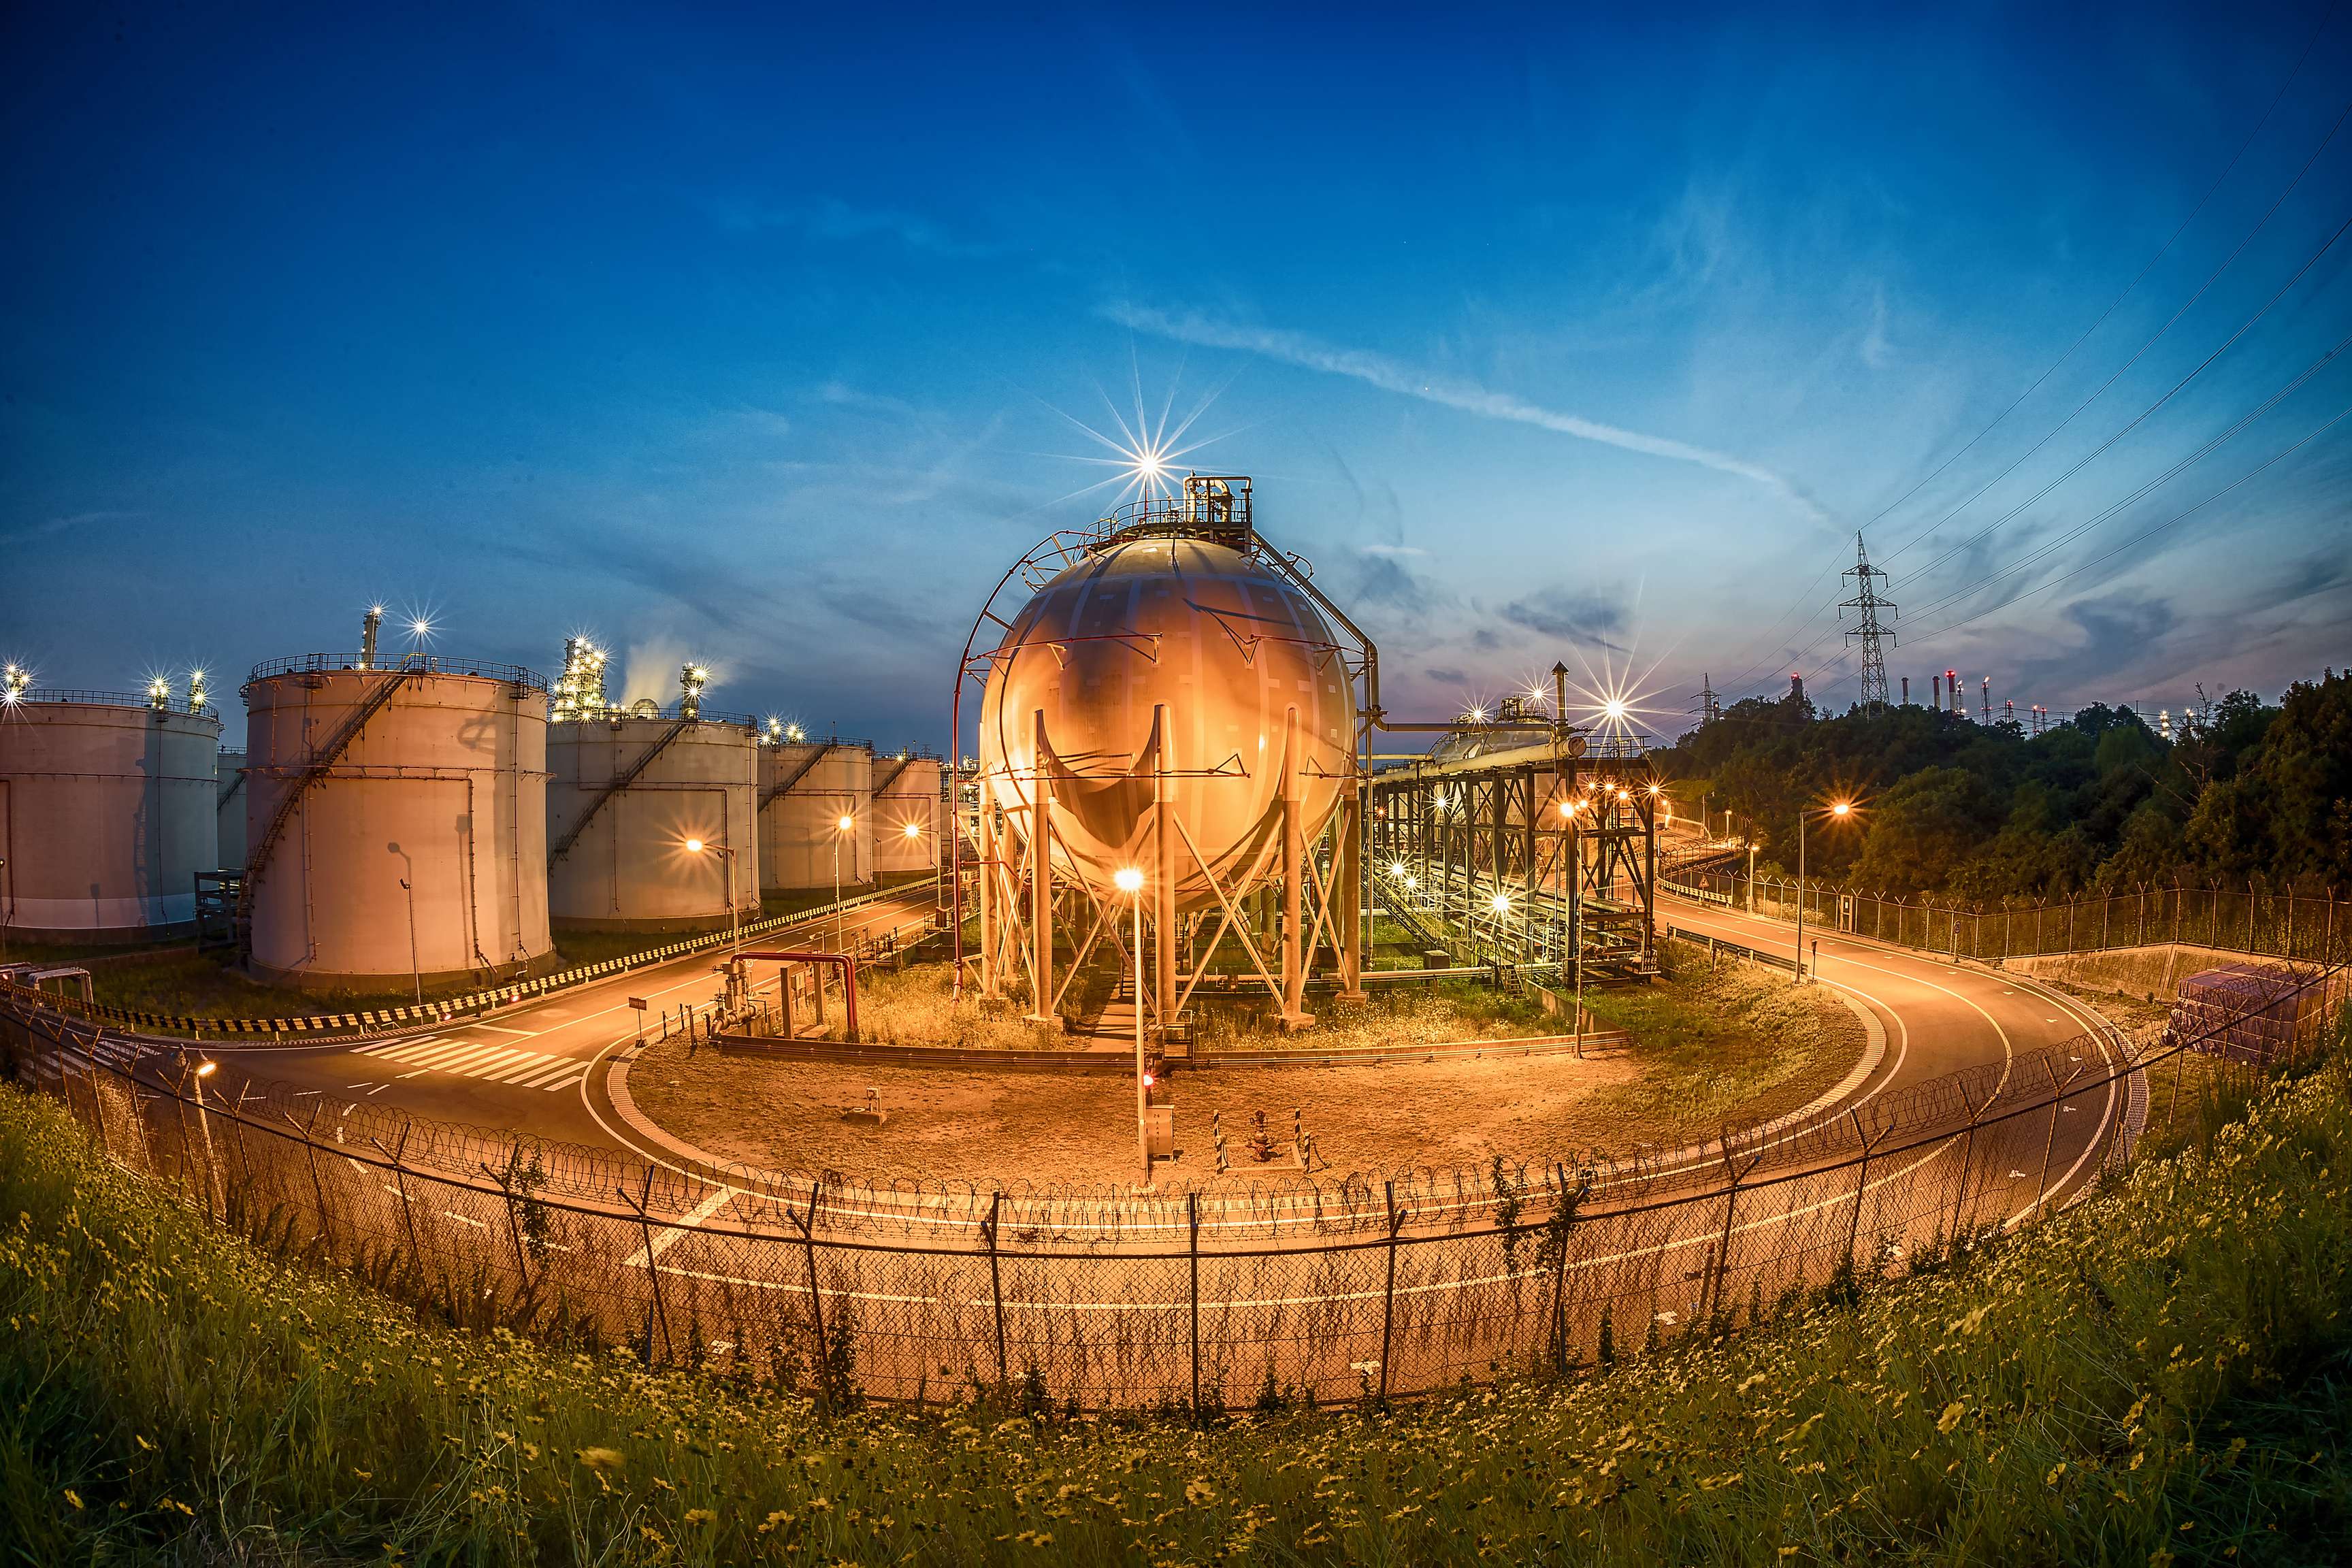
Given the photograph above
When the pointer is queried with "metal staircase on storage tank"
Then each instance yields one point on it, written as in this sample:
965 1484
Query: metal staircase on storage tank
899 765
312 770
784 786
620 781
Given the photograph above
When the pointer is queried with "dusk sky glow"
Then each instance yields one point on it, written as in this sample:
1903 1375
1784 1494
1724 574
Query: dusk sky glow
772 338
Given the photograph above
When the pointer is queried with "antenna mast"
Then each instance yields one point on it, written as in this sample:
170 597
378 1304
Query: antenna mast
1867 602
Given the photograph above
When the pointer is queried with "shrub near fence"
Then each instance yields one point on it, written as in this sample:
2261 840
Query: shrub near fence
1354 1290
2279 923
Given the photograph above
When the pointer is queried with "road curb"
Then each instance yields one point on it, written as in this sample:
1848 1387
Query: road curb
625 1105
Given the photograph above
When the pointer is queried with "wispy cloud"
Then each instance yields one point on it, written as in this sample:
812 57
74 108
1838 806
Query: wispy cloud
1389 375
1391 550
832 219
49 527
1573 614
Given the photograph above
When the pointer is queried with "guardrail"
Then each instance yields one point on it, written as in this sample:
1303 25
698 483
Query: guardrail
325 1028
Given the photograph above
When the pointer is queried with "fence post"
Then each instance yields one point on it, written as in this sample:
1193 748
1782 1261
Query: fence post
2050 1139
318 1191
505 1180
995 1283
1714 1295
1387 1292
1861 1183
646 1229
1193 1225
1967 1149
816 1289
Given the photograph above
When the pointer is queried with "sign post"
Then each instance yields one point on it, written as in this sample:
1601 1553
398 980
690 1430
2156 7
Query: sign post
637 1005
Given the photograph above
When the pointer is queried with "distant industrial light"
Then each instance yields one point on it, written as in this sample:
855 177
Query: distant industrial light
1568 808
1127 879
846 823
1842 808
1396 867
1502 904
914 830
1653 789
694 846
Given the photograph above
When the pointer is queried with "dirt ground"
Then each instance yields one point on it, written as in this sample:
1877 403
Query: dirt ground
1732 1046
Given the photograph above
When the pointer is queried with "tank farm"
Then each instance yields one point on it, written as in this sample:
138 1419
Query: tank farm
1173 839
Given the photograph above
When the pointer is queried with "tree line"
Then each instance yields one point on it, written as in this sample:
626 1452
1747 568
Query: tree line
2242 789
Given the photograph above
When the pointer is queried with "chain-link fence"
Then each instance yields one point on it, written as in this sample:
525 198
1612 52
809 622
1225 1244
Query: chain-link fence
2277 923
1334 1290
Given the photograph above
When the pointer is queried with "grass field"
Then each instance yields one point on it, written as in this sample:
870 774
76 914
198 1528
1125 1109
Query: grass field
2162 1375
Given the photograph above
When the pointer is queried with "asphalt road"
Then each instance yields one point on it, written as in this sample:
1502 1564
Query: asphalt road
535 1070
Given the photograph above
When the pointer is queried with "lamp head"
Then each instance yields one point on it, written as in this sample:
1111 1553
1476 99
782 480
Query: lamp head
1128 878
694 846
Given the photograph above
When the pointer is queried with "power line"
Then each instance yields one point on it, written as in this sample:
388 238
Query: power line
2134 359
2288 82
2147 533
2272 400
2139 418
2161 250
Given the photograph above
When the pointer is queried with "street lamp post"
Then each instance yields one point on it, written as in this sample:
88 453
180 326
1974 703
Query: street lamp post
1840 811
415 970
1130 882
734 926
841 829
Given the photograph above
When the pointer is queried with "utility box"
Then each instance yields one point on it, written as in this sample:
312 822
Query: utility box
1159 1132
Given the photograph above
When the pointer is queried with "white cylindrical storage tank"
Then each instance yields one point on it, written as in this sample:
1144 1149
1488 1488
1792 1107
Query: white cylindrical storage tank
230 794
805 789
106 815
908 815
624 796
431 772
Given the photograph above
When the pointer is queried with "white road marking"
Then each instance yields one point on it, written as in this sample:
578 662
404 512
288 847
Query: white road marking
502 1029
689 1220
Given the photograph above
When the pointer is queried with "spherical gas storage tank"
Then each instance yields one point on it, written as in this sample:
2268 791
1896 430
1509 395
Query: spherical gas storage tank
806 787
908 815
428 772
1247 671
230 810
626 796
106 814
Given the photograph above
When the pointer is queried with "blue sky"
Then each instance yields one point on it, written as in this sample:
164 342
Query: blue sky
768 335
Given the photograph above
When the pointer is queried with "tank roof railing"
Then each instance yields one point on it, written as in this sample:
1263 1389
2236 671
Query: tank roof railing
1213 506
112 699
409 663
707 715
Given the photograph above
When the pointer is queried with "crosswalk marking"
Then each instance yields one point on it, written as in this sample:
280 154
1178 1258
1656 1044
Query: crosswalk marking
493 1064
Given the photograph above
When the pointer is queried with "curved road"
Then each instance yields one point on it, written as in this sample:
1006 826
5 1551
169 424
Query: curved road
1107 1324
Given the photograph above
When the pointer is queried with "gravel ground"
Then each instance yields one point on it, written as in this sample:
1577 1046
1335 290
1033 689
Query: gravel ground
1735 1045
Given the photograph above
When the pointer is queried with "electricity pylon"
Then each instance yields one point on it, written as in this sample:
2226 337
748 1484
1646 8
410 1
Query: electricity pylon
1867 602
